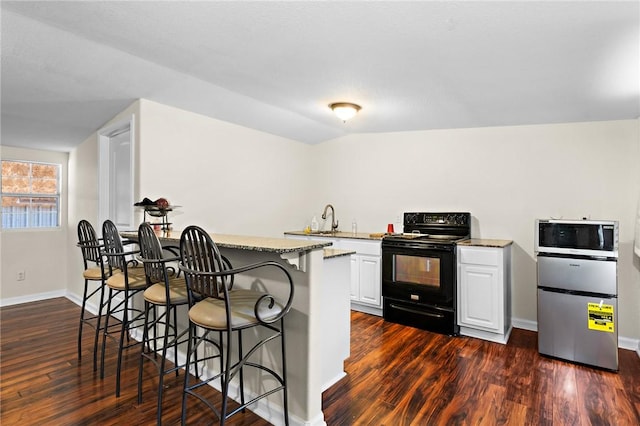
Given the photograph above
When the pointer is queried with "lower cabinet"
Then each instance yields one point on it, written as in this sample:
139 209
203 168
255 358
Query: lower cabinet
484 292
365 280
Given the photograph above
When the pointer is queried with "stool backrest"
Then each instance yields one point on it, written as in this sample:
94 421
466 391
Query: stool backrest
199 258
151 249
113 248
89 243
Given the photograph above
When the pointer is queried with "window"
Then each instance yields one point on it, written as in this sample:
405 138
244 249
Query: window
30 194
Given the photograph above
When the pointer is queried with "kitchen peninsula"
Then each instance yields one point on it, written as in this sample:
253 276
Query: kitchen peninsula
320 307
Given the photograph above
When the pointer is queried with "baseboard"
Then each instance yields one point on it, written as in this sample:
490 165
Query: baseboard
630 344
91 307
366 309
486 335
623 342
333 381
32 298
524 324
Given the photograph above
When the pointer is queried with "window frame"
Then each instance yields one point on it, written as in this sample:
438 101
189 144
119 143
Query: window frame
57 196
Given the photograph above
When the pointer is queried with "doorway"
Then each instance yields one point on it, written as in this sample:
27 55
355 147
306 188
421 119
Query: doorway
116 178
116 174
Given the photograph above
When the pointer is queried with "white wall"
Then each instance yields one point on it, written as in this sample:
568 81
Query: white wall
83 197
41 253
230 179
226 178
505 176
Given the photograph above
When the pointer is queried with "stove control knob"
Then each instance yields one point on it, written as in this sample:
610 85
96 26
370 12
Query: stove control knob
411 218
462 219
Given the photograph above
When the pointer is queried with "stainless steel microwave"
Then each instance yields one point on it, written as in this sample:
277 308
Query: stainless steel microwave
577 237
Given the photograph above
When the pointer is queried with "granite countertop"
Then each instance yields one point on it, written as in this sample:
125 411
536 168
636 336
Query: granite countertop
340 234
243 242
330 253
483 242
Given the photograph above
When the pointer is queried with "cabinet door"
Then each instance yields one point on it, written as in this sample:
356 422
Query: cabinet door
370 284
479 296
355 278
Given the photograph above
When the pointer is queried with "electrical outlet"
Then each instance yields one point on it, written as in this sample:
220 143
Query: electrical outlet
21 275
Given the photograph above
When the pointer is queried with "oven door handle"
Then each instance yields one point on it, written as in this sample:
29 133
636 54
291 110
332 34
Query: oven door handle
416 311
409 248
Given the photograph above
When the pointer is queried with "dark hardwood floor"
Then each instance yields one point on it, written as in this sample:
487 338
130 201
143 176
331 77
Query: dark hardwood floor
396 376
403 376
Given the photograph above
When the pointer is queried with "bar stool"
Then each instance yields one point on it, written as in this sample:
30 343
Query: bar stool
215 307
165 289
94 271
126 279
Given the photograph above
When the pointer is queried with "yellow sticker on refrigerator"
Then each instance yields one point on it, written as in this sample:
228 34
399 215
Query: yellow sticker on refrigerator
600 317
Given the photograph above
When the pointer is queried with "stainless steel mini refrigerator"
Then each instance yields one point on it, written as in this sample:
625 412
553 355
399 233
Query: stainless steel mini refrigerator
577 298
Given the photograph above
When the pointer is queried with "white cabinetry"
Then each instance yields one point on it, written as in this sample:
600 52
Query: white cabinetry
366 283
365 280
484 291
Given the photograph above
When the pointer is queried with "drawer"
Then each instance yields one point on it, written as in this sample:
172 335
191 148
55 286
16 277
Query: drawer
479 256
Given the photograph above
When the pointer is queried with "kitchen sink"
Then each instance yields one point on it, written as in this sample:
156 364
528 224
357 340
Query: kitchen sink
323 232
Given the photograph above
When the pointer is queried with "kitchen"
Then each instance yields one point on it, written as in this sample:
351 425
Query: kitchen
485 196
252 182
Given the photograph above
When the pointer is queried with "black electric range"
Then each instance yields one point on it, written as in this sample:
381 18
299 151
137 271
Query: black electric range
419 270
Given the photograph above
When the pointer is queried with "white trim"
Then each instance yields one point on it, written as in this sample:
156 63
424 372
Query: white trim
333 381
524 324
104 136
371 310
90 306
486 335
629 343
32 298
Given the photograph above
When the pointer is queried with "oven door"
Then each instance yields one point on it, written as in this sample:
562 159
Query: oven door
418 273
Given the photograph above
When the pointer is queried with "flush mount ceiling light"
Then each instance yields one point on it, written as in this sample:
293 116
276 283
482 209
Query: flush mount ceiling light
344 110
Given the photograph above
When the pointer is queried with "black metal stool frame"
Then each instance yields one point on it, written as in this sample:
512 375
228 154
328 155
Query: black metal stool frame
91 248
157 271
119 260
207 277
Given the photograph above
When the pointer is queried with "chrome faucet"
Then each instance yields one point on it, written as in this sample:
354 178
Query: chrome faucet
334 222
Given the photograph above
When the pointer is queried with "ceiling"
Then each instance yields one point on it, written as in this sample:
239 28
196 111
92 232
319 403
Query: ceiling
69 67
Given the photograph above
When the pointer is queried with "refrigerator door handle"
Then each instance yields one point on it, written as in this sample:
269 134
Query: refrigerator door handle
578 293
